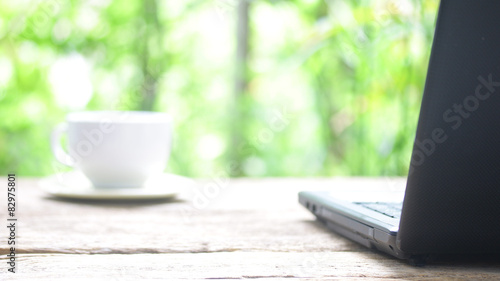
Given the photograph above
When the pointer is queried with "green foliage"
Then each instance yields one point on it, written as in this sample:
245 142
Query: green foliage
333 87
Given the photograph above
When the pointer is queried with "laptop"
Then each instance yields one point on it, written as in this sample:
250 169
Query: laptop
451 204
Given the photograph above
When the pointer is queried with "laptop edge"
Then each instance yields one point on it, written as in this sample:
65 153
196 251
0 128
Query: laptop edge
452 198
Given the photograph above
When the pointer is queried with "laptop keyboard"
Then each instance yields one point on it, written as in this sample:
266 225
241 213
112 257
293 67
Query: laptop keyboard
391 209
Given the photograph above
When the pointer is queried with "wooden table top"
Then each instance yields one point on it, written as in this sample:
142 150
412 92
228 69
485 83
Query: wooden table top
239 228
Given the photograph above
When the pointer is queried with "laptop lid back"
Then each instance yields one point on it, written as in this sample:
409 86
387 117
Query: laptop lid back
452 199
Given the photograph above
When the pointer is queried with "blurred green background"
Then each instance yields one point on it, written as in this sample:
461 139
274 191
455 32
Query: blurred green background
256 88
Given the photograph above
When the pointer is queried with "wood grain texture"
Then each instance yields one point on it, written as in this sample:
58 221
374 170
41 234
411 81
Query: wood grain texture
241 265
240 228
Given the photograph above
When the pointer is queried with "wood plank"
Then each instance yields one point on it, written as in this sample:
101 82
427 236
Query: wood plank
246 215
241 265
248 228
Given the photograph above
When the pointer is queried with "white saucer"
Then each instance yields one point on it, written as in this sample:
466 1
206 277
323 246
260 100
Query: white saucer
74 185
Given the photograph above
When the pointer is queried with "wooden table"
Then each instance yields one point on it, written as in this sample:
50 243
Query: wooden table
246 228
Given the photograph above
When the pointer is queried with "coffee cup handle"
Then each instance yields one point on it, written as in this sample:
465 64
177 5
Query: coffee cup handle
55 143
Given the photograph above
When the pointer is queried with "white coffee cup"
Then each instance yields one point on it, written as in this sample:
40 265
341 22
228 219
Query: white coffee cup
115 149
